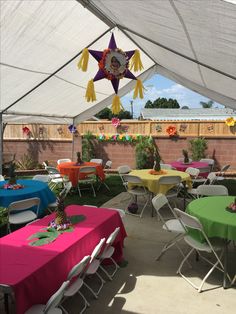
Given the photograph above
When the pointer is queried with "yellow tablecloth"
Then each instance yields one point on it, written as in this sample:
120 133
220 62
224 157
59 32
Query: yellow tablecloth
150 181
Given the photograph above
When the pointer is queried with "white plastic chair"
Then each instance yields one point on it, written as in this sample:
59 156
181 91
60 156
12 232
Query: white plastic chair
166 166
97 161
137 189
20 212
182 160
108 165
89 179
63 193
76 282
2 178
211 178
56 179
222 170
42 177
123 170
120 211
211 190
172 225
210 161
108 252
60 161
53 304
208 246
93 266
174 182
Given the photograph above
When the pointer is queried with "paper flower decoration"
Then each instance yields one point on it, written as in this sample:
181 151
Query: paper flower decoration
230 121
72 128
26 130
115 122
113 65
171 130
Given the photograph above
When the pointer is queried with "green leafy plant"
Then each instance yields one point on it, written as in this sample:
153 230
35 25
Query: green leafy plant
198 147
87 146
26 163
145 151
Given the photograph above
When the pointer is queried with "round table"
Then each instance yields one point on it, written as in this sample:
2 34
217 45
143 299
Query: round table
180 166
72 170
150 181
216 220
32 188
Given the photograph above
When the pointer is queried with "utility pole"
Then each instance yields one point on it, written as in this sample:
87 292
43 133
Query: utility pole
132 109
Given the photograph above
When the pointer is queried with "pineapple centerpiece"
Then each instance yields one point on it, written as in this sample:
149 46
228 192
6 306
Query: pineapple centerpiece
157 160
79 160
12 174
61 222
185 154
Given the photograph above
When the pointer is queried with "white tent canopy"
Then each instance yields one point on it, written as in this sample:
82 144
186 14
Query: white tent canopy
191 42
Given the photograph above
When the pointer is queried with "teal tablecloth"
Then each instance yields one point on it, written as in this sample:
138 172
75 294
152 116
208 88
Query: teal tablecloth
212 213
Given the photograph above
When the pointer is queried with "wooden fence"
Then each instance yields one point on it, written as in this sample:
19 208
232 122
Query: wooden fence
215 129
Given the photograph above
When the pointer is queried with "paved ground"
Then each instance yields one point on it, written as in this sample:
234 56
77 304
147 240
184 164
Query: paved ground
147 286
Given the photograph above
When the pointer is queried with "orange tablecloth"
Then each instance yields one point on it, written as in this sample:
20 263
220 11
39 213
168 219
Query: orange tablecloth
72 171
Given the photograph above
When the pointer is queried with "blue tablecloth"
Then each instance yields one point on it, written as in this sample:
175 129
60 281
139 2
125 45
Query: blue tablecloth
32 188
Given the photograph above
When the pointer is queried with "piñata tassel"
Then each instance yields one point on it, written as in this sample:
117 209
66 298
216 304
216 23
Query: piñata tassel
136 62
116 105
83 62
138 90
90 92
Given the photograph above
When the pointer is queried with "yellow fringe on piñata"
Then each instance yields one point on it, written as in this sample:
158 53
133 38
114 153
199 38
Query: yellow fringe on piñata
138 90
116 105
136 62
90 92
83 62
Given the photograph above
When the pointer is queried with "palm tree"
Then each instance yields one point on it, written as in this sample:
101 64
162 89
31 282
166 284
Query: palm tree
208 104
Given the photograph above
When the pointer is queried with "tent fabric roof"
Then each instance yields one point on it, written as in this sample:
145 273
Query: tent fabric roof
41 42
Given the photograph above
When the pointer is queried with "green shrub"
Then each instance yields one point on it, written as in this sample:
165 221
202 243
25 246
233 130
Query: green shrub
198 147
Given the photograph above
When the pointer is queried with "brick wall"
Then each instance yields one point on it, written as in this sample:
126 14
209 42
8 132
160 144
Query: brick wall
222 149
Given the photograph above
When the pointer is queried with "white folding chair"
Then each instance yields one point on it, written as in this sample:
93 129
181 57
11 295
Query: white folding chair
166 166
137 189
108 252
123 170
222 170
76 282
211 178
93 266
20 212
60 161
97 161
207 246
88 179
173 182
120 211
63 193
2 177
211 190
210 161
53 305
172 225
56 179
108 165
42 177
182 160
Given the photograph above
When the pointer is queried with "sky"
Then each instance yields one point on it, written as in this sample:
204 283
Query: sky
159 86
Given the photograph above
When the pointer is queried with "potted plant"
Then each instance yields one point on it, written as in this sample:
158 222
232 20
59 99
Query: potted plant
198 147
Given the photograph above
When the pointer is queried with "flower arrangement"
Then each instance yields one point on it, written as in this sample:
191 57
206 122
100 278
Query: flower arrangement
155 172
171 130
230 121
119 138
8 186
232 206
115 122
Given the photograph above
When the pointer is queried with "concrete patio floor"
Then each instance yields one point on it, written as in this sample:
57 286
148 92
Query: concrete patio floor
147 286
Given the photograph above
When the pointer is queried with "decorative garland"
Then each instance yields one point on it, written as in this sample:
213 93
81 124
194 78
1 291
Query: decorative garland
119 138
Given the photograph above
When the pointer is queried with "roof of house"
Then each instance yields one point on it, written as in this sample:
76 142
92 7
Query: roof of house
187 114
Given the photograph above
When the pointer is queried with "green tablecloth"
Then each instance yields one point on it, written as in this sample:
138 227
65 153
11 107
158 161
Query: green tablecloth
212 213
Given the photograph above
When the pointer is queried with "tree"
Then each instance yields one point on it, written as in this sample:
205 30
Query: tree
185 107
208 104
162 103
106 113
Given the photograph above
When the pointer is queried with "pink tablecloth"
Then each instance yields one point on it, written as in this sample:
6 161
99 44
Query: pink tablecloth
178 165
35 273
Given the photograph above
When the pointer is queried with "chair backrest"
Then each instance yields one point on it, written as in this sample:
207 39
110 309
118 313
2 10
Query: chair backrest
188 220
166 166
224 168
108 164
56 298
42 177
66 190
211 178
97 161
60 161
210 190
132 179
211 162
123 169
2 178
44 164
170 180
193 172
79 268
110 240
97 249
52 170
24 204
87 170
